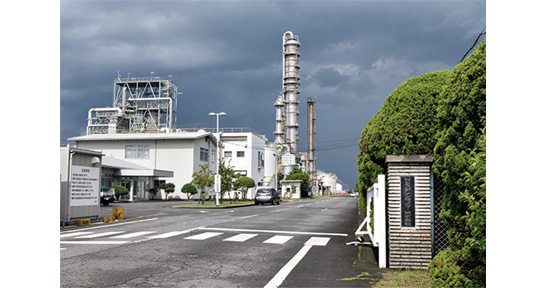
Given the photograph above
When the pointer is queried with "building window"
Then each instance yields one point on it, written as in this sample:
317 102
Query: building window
137 151
204 155
240 153
260 159
227 154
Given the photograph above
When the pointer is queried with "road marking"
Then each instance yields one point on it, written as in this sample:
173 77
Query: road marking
75 234
204 236
99 235
283 273
317 241
111 225
275 232
324 209
277 280
94 242
168 234
135 234
278 239
249 216
174 233
241 237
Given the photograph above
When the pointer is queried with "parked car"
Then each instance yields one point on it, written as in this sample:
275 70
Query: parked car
267 195
354 194
107 196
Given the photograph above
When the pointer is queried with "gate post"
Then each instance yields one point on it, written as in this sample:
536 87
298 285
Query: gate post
380 221
409 211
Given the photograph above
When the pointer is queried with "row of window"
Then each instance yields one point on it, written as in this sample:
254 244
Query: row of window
229 154
143 152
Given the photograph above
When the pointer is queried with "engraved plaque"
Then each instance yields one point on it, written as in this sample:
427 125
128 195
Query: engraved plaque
408 201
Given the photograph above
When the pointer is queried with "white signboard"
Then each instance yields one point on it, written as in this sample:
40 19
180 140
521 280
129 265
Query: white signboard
217 183
84 186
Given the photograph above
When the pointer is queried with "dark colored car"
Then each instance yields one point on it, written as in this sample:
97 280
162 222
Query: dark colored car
107 196
267 195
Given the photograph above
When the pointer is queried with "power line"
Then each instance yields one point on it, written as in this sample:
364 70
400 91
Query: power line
475 42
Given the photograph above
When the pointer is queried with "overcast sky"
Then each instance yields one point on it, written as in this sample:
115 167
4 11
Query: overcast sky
226 56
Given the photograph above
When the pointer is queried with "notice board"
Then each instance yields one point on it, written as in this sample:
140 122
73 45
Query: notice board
84 186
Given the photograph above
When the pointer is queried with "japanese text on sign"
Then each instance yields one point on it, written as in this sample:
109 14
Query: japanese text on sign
84 186
408 201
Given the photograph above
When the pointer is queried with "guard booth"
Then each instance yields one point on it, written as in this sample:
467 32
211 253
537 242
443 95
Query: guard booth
80 184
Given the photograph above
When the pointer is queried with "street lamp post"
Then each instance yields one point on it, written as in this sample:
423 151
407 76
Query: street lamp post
217 184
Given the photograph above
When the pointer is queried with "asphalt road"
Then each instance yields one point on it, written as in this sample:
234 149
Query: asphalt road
295 244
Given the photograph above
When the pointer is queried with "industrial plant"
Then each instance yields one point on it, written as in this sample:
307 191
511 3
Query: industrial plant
142 148
286 115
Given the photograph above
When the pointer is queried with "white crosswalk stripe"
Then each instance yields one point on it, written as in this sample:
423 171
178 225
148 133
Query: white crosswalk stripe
167 235
204 236
99 235
278 239
135 234
240 237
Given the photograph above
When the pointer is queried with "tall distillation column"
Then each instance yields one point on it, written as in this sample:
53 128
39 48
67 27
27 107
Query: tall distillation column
291 83
286 133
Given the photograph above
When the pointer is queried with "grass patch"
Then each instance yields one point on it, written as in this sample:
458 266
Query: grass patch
212 205
404 278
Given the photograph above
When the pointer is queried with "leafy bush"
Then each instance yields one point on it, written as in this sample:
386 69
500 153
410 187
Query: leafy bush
244 183
168 188
120 190
189 189
459 159
445 270
406 124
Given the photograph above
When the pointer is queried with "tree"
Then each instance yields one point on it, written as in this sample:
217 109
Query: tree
120 190
228 178
189 189
203 179
168 187
405 124
459 150
298 174
244 183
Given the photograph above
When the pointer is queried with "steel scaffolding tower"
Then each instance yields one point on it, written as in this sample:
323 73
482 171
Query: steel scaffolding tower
140 104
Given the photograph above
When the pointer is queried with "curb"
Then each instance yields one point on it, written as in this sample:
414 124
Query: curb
211 207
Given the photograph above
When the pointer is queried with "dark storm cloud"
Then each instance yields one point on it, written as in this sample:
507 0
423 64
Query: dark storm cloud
226 56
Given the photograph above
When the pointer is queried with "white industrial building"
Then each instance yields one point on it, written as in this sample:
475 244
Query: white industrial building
179 152
244 150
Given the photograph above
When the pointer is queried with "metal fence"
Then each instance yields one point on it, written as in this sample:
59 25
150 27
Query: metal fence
439 228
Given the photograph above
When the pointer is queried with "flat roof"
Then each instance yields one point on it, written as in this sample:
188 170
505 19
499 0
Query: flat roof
144 136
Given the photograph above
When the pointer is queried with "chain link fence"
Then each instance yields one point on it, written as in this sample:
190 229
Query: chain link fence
439 228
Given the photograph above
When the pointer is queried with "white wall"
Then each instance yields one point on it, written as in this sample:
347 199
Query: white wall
252 145
178 155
